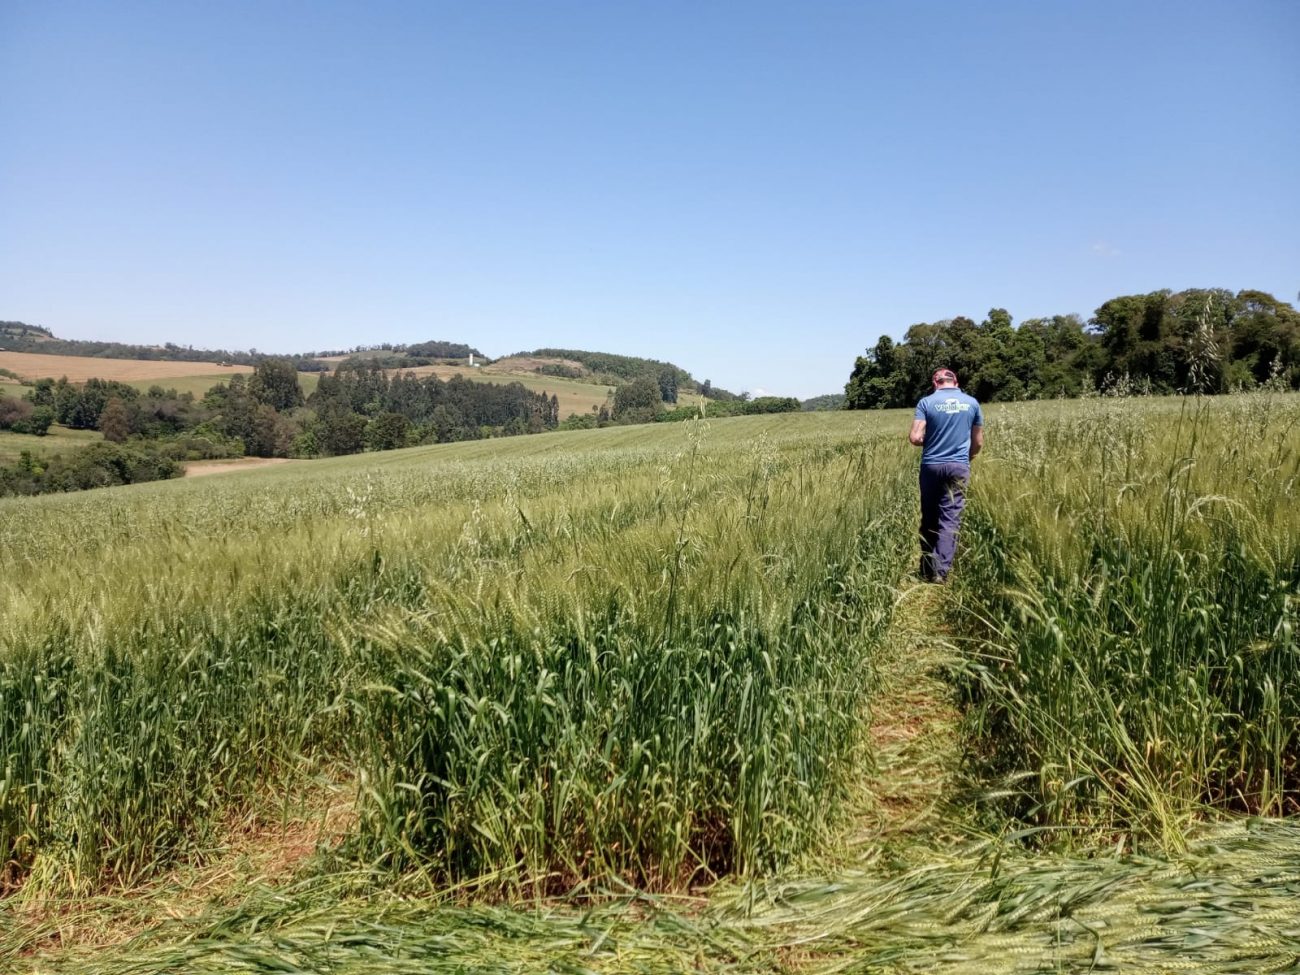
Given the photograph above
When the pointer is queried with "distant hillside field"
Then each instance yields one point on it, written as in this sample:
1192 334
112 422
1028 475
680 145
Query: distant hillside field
184 377
78 368
580 394
575 395
21 337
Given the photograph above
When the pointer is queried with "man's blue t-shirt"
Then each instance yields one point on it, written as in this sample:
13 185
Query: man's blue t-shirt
949 415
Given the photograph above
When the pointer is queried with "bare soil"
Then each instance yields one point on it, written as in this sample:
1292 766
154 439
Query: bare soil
202 468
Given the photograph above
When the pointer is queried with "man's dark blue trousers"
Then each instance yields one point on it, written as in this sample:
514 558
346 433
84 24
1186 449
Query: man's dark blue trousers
943 495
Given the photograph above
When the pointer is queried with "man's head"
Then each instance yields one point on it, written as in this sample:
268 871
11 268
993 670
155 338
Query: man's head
944 379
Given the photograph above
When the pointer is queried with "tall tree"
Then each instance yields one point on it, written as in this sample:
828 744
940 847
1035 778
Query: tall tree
339 430
275 383
115 421
668 385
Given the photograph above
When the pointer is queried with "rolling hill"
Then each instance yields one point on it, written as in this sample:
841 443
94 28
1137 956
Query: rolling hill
582 381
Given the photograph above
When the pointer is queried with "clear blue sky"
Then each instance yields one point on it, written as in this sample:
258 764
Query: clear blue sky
753 190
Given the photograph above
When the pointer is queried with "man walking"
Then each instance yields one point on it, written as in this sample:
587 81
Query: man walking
949 428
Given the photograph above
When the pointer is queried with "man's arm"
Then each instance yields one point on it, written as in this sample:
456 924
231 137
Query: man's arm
917 437
976 440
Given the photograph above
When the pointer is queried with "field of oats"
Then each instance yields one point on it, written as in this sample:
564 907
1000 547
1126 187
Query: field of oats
654 699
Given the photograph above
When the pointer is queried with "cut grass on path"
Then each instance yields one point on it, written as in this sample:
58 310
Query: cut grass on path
908 801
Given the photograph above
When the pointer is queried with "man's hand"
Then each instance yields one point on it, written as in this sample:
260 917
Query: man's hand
917 437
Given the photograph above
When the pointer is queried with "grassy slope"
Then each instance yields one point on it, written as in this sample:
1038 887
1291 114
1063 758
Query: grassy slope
585 445
57 440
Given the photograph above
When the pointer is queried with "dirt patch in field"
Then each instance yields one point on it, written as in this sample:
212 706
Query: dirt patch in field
78 368
202 468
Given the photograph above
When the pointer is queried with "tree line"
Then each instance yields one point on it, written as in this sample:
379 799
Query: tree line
363 405
434 350
621 370
1198 340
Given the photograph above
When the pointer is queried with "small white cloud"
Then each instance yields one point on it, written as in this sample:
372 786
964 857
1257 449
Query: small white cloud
1104 248
757 392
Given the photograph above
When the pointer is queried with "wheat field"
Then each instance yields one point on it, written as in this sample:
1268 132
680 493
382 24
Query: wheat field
648 659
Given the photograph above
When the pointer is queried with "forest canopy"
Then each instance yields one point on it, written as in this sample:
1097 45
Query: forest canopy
1198 340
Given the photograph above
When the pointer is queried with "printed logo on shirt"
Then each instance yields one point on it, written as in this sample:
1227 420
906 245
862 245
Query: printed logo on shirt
952 406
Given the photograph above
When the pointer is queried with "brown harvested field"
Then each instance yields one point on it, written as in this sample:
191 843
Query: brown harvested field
202 468
78 369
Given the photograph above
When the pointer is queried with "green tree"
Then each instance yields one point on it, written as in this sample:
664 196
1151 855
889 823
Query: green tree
668 385
37 424
275 383
339 430
878 380
637 401
1131 328
388 431
1265 337
79 407
42 393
